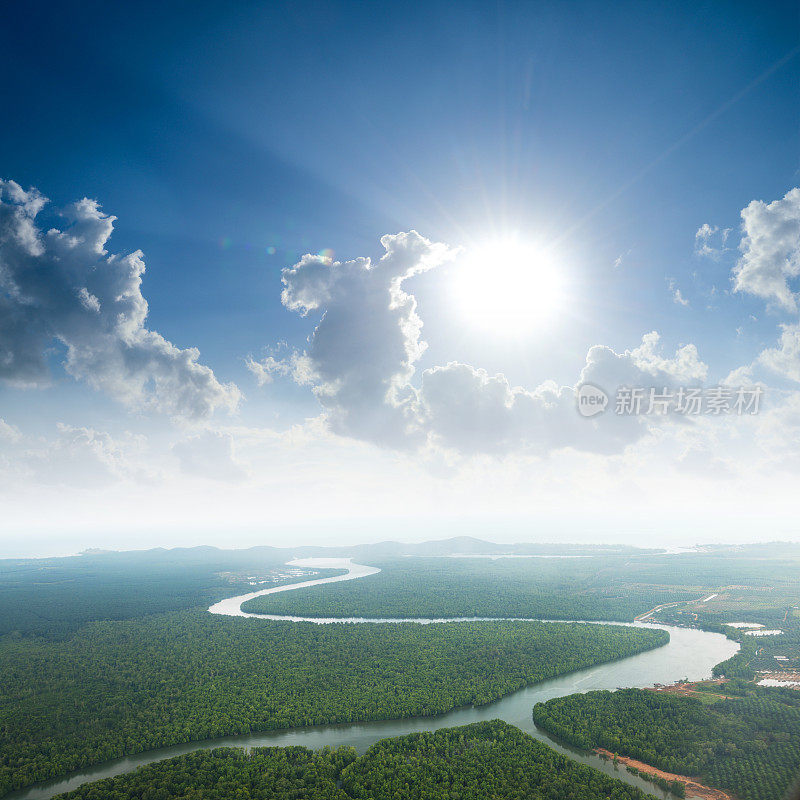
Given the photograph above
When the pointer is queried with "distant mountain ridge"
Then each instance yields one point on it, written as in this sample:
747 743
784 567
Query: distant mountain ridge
462 546
455 546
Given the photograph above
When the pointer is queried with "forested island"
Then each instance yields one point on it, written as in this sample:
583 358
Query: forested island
474 762
589 587
748 744
600 587
115 688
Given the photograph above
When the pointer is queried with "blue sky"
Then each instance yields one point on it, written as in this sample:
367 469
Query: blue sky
231 139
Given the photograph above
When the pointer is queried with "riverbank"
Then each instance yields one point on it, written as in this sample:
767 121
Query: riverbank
684 689
232 606
693 787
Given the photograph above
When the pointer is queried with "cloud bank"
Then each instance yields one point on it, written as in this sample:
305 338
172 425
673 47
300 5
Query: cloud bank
362 358
362 361
768 268
62 285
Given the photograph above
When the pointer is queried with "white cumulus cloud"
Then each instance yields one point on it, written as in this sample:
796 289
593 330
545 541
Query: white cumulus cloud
62 285
770 250
769 264
362 353
362 356
265 369
785 358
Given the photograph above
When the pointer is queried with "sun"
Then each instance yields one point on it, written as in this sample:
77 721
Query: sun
507 286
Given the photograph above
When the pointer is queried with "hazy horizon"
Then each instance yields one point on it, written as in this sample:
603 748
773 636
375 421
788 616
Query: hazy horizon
58 548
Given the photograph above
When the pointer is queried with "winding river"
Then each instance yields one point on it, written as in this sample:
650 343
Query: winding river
689 654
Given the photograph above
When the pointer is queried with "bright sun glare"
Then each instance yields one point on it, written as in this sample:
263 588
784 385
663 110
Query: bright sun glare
508 286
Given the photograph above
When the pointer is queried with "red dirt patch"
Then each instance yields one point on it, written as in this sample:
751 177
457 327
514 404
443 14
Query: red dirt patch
693 786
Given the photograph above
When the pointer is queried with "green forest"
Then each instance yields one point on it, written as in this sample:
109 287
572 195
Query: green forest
115 688
748 745
53 597
474 762
597 587
109 654
591 588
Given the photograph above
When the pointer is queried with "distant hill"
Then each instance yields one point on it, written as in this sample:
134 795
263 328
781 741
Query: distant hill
267 555
460 546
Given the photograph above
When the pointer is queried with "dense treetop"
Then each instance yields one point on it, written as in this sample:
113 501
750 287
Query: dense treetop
748 745
485 760
116 688
104 655
264 773
53 597
591 587
474 762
